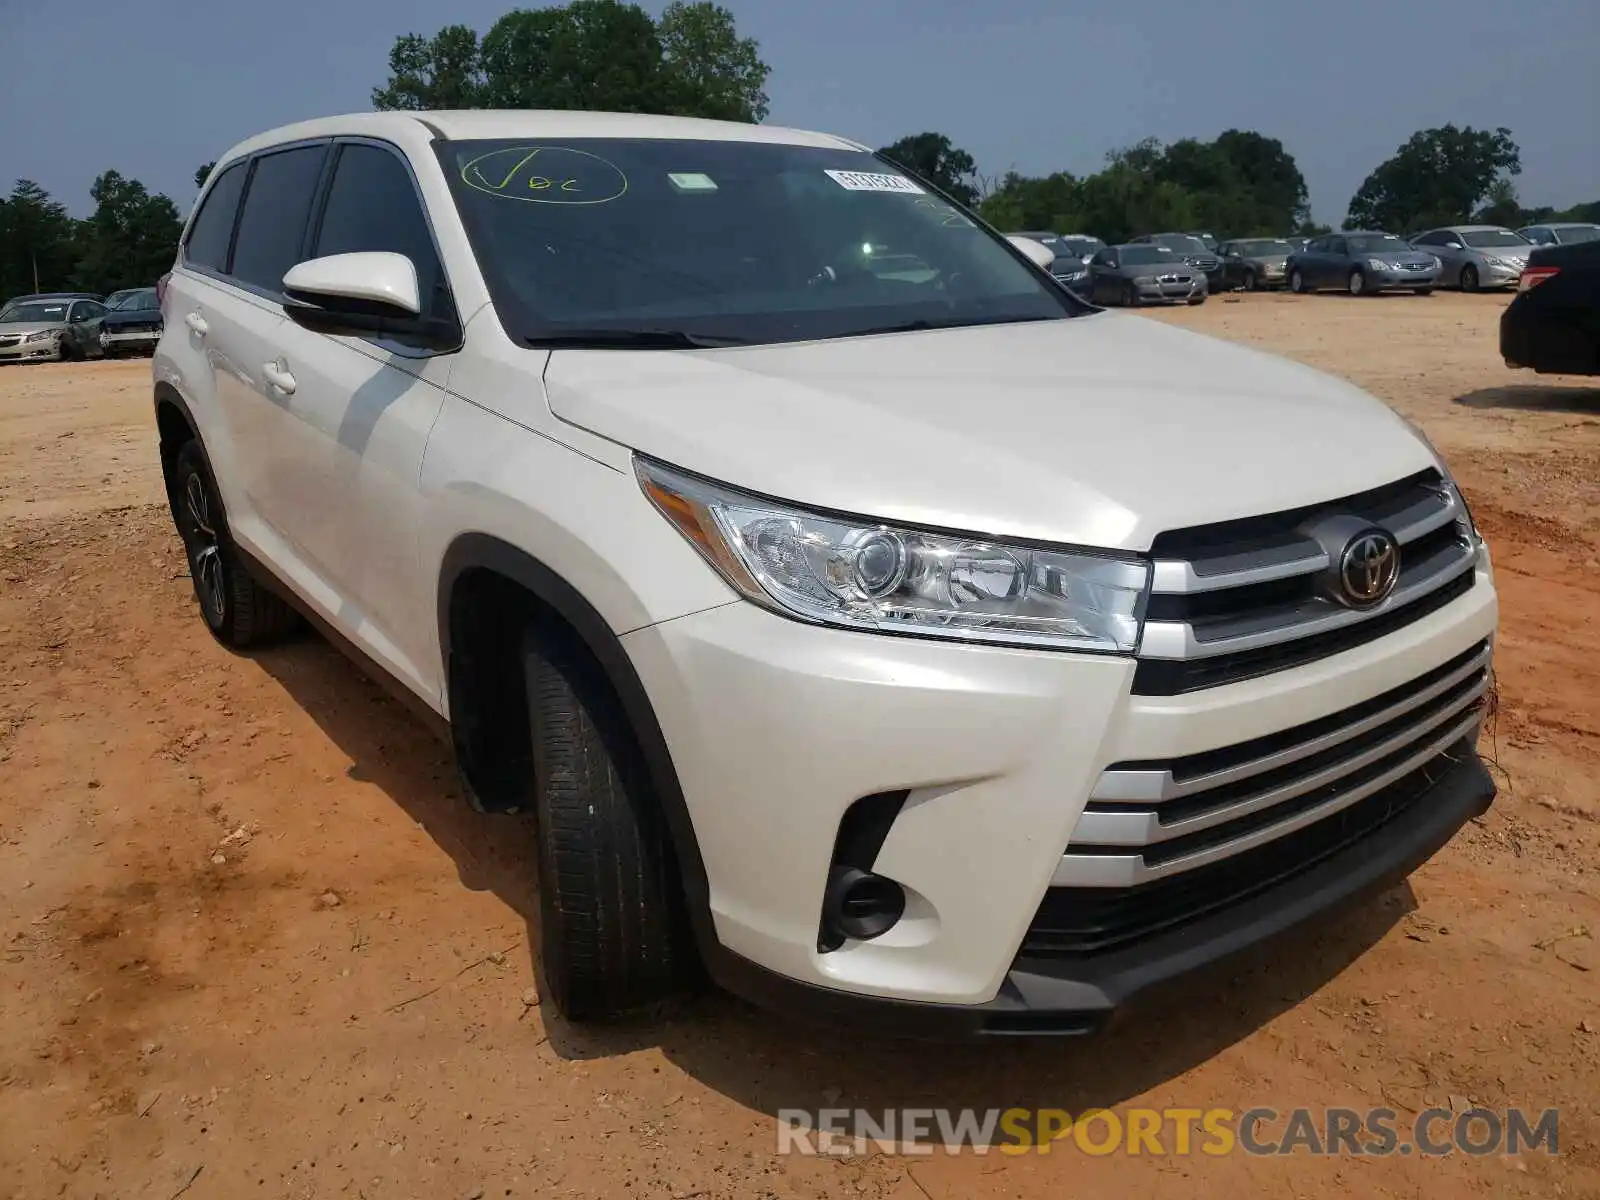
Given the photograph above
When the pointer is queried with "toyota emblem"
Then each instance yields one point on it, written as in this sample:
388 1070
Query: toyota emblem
1368 568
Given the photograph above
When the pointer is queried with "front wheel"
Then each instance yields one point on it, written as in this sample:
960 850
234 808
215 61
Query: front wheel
1424 291
613 928
1251 283
1358 282
1130 296
1469 278
1297 282
1194 300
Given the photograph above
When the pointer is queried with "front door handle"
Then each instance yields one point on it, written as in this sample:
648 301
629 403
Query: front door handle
278 377
197 323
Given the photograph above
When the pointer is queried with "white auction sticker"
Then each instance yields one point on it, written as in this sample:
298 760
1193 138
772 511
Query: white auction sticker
867 181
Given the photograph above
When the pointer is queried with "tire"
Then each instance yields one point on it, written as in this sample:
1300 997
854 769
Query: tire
1297 282
64 350
1130 296
614 933
1193 301
1251 283
237 610
1469 278
1357 283
1425 291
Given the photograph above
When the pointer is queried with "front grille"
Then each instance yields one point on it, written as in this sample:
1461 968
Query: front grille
1149 820
1246 598
1080 922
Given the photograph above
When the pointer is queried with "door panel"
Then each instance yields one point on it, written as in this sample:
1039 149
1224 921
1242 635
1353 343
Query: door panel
354 430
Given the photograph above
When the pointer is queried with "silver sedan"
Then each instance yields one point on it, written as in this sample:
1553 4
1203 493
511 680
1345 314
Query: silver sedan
1476 256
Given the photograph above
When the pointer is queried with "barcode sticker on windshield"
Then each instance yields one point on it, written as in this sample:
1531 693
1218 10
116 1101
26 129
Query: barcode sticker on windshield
866 181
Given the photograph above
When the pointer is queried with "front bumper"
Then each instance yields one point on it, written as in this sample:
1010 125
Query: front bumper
24 351
776 728
137 339
1496 277
1404 279
1171 293
1044 996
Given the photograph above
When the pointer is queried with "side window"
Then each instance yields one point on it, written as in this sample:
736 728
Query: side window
88 310
1102 259
273 224
373 205
1434 238
79 311
1338 246
212 228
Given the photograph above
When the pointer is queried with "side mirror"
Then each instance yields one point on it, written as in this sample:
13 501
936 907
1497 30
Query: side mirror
367 294
375 283
1041 255
1452 245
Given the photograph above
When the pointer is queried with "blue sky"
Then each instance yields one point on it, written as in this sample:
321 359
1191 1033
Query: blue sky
156 87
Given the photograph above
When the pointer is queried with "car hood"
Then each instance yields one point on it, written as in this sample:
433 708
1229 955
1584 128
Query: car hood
1519 253
1407 255
30 326
1101 430
132 316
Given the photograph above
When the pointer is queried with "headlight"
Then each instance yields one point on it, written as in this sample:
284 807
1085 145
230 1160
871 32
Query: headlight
1436 260
44 335
1453 489
866 575
1377 264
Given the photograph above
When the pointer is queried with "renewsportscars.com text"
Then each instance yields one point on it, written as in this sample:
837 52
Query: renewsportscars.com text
1170 1132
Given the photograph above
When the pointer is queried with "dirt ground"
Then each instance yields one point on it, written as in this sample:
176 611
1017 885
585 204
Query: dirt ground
252 943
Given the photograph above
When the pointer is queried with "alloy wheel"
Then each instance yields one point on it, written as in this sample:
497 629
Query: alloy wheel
205 550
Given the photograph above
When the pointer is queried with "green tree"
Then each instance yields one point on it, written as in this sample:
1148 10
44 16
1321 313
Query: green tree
588 54
131 238
1437 177
36 240
1051 202
442 71
1500 205
932 156
708 69
203 173
1270 176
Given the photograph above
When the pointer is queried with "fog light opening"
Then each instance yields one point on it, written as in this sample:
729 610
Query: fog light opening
860 906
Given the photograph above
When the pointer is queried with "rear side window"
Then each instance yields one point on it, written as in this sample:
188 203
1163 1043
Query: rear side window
273 224
213 224
373 205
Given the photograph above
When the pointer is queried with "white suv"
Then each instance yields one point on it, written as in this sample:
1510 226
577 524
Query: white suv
864 619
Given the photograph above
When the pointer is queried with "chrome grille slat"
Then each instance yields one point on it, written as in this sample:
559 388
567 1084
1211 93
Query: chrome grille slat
1178 577
1145 828
1134 785
1130 870
1177 640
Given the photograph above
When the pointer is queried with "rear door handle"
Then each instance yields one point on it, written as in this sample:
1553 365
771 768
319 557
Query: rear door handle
278 377
197 323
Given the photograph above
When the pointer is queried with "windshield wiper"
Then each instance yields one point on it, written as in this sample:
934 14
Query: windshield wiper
922 323
630 339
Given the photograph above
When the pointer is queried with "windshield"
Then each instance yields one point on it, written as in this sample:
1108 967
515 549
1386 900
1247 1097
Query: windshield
1375 242
1182 243
732 241
138 298
1577 233
1484 239
1081 247
1263 248
1140 255
39 311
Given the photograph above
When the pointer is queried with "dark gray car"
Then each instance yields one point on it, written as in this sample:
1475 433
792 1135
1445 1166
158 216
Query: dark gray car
1192 250
1362 262
1255 263
1143 273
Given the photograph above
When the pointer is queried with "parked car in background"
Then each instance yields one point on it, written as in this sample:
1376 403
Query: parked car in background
1081 246
1552 324
59 329
132 321
1297 242
1192 250
1071 265
1206 239
1362 262
1476 256
1144 273
1254 263
52 296
1561 233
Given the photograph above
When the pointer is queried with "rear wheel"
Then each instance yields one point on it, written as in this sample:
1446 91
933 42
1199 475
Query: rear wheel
614 935
1469 278
238 611
1357 282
